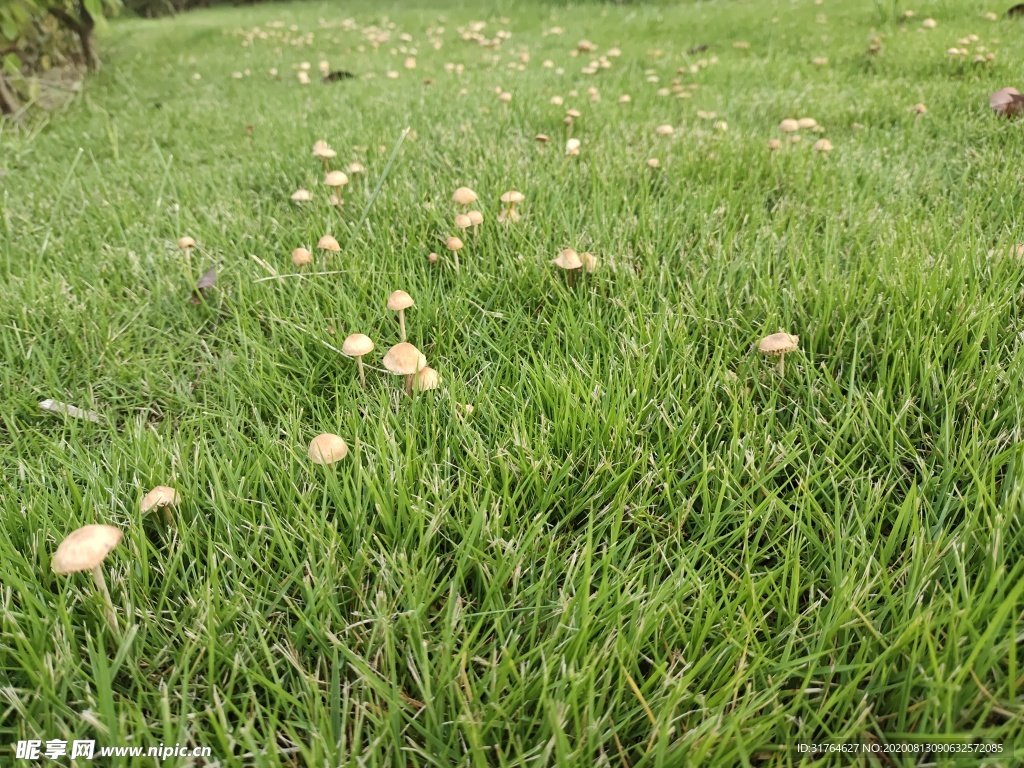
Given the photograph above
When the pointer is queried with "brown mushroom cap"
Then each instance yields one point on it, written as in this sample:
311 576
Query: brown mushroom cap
186 242
85 548
476 217
404 359
426 378
822 145
512 197
301 257
806 122
453 244
590 262
572 147
327 449
464 196
572 113
780 343
357 345
789 125
665 130
356 167
328 243
542 138
322 149
567 259
400 300
302 195
336 179
462 221
161 496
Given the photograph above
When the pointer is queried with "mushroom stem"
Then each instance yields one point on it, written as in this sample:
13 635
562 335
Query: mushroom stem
401 322
782 365
188 259
108 606
327 165
362 373
456 255
570 277
408 384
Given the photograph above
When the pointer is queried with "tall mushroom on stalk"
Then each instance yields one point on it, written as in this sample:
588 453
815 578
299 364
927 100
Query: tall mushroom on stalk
426 379
464 196
510 199
161 496
570 261
404 359
84 550
323 150
399 301
356 346
328 243
187 244
778 345
454 245
336 180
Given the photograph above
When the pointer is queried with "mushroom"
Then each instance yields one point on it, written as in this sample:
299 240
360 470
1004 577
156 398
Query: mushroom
161 496
84 550
336 180
1007 102
301 257
590 262
541 138
789 125
399 301
464 196
356 168
510 199
356 346
302 196
570 261
326 449
323 150
665 130
780 344
476 218
328 243
426 379
454 245
462 221
572 147
774 144
405 360
806 122
822 145
187 244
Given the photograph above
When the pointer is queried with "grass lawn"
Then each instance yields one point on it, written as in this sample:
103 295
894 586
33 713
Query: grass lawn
643 546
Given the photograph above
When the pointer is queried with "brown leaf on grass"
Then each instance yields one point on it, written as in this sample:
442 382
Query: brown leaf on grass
1007 102
204 286
249 130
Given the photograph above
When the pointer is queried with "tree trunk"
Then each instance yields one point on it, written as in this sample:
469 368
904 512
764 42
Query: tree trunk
83 27
9 103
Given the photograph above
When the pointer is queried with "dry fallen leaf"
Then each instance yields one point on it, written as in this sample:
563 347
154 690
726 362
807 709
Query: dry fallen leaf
1007 102
205 284
63 409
